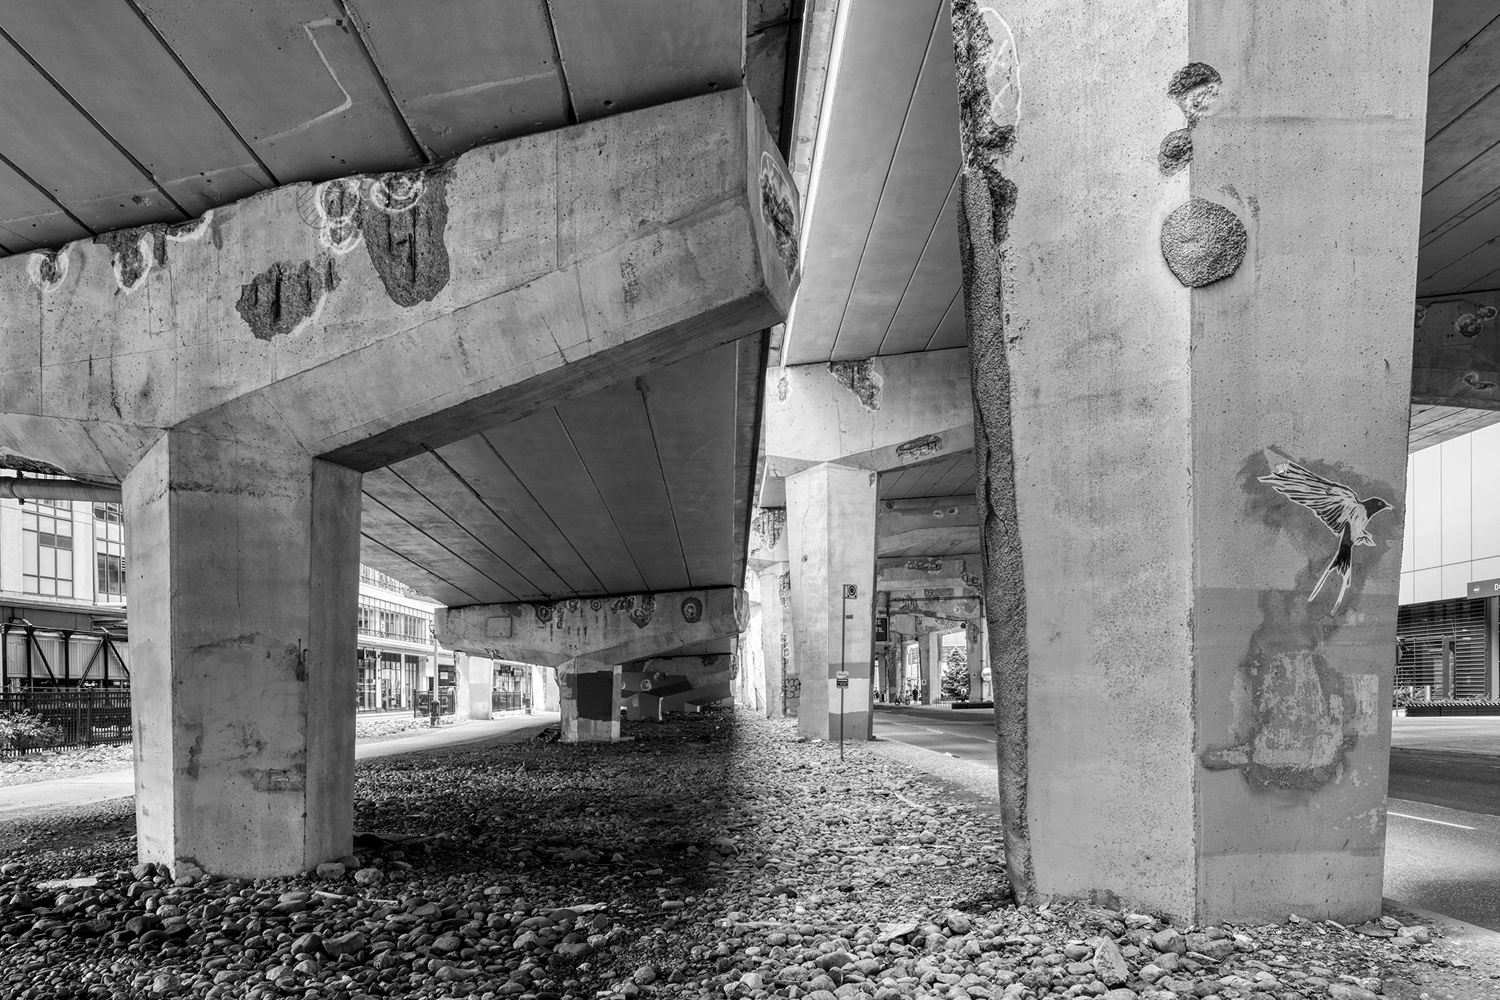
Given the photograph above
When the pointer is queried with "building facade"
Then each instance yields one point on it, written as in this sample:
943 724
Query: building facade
400 661
1448 629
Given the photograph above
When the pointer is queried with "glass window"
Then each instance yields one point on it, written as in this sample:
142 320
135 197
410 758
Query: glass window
47 548
109 552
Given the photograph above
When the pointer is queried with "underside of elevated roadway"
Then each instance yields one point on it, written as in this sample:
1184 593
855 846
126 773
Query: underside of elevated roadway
882 273
643 486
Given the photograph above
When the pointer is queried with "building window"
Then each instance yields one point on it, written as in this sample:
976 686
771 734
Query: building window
109 551
393 621
47 548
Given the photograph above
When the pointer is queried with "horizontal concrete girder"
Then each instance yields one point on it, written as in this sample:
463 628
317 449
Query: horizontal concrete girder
1456 351
877 413
941 525
372 316
615 629
955 576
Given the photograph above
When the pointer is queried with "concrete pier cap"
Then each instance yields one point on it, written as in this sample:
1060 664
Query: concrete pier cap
589 639
239 372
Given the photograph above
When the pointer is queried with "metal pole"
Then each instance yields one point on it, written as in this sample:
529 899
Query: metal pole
843 647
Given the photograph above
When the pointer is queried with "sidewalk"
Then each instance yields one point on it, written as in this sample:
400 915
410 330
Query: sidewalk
1478 734
29 800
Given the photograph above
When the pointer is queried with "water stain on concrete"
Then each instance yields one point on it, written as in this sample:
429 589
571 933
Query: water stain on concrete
286 295
860 378
1203 242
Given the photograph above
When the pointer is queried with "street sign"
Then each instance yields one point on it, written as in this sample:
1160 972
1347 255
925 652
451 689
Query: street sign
1484 588
841 678
851 592
882 628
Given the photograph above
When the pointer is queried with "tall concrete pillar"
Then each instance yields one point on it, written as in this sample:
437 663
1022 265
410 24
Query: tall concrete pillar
974 642
1192 662
932 667
831 540
590 701
244 582
474 678
768 560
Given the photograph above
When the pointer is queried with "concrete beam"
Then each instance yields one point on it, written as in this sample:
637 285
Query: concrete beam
1456 351
919 576
677 684
945 525
372 316
616 629
878 414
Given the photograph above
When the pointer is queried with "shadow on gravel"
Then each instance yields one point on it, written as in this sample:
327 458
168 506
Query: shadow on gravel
708 857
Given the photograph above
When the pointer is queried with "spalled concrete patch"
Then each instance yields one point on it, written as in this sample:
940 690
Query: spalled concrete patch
1195 88
285 296
403 226
1176 151
1203 242
919 448
860 378
778 202
47 269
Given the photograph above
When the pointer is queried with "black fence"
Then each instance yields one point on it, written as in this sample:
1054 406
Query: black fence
75 717
508 701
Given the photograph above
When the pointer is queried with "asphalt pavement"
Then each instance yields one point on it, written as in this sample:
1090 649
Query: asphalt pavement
35 798
1443 813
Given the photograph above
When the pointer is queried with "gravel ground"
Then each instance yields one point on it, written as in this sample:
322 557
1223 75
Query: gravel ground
710 857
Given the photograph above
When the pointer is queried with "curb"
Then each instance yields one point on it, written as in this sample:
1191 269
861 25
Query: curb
1455 931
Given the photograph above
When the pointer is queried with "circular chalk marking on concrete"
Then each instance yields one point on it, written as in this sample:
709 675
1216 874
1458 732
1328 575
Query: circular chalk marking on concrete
1203 242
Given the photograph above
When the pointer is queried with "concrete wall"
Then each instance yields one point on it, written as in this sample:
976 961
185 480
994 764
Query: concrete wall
1452 523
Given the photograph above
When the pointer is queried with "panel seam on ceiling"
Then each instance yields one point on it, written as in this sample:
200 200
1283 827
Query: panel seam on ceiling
645 584
407 521
562 70
944 318
485 437
1459 51
493 513
1460 116
926 244
417 565
423 153
643 391
203 92
885 181
97 125
48 195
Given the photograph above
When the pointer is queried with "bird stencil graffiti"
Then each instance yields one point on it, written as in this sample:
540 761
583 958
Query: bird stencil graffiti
1338 507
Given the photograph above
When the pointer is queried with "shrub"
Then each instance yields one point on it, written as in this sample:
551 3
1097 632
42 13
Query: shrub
22 731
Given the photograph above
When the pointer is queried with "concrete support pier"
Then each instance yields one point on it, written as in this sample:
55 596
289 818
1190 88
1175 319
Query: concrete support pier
590 701
831 544
768 560
244 582
1192 629
474 677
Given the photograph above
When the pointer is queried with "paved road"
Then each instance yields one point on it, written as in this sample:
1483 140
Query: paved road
18 801
1443 830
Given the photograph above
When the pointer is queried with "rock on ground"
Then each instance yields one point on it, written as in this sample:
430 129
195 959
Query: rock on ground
713 857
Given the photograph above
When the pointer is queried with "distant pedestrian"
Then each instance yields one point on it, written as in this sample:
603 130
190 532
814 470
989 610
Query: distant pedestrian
434 706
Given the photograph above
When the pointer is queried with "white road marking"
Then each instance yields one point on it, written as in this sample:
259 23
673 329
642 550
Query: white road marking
1424 819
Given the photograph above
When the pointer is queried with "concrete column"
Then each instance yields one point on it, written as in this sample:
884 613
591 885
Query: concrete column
831 539
782 694
974 641
243 584
1227 202
474 678
932 667
590 693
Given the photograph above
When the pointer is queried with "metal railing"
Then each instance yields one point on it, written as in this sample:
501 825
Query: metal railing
78 717
507 701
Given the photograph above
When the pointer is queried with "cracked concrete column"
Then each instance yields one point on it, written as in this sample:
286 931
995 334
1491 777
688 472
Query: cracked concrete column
974 640
831 545
590 701
243 581
1189 275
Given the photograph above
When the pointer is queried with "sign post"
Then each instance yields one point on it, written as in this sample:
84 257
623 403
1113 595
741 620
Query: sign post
841 678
